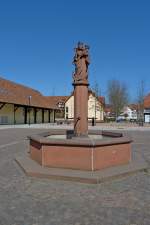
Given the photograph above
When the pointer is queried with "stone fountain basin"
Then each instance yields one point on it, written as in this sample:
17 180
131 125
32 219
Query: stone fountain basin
102 149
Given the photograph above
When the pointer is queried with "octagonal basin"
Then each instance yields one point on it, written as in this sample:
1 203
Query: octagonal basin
99 150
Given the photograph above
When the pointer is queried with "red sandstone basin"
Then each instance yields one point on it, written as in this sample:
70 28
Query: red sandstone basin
111 149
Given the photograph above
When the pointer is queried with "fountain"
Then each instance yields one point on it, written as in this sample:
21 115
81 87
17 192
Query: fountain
80 154
80 149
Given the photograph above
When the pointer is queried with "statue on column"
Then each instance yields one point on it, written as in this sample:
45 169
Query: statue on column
81 62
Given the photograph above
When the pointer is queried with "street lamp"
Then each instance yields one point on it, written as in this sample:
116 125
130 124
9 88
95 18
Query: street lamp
29 98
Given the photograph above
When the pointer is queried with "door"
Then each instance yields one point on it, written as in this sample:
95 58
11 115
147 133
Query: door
147 118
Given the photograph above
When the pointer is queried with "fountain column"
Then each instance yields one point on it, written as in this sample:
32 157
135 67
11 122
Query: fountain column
81 109
80 83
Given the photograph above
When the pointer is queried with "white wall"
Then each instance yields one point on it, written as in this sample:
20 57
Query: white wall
132 114
94 108
70 105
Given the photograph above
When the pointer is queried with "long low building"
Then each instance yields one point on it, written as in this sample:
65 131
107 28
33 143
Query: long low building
23 105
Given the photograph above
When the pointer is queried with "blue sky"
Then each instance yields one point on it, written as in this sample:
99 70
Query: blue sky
37 40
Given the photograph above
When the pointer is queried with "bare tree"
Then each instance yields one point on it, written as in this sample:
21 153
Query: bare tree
117 95
96 89
140 102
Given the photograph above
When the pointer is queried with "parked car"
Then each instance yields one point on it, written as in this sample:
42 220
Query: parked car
120 119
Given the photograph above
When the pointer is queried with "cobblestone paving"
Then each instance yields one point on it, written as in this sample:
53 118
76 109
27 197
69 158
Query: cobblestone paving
30 201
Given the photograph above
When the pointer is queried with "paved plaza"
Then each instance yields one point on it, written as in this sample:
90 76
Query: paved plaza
34 201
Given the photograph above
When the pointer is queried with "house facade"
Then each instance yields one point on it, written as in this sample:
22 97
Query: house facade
23 105
95 107
130 112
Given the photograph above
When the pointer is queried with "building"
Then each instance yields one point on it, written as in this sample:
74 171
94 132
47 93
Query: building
147 109
95 107
58 102
130 112
23 105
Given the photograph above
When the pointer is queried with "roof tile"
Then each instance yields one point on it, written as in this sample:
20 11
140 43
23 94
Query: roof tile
12 92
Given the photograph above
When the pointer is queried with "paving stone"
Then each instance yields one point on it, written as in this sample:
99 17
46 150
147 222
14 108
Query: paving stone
33 201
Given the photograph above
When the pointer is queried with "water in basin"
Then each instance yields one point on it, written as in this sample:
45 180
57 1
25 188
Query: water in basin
91 136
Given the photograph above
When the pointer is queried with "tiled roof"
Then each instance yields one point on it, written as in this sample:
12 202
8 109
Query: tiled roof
53 101
133 106
101 99
11 92
147 101
108 108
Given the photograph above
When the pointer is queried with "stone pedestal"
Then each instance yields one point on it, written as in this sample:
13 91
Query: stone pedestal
80 109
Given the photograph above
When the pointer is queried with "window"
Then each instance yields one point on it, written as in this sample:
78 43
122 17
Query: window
61 104
67 109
